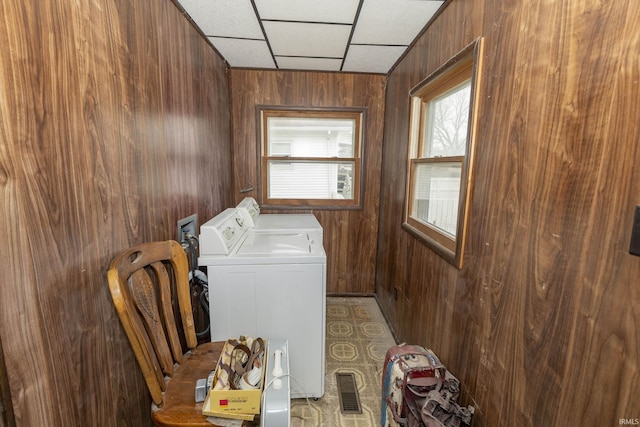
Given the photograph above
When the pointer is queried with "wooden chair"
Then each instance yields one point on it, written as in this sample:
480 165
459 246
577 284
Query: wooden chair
141 281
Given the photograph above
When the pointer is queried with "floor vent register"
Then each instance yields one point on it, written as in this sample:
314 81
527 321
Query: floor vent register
348 393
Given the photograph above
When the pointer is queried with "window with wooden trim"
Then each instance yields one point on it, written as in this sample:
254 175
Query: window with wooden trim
441 149
311 157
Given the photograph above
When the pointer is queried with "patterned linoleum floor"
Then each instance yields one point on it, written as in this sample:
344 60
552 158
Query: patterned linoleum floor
357 339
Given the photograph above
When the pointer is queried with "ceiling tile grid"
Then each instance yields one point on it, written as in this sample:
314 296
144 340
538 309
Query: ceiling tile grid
224 18
393 22
326 35
307 39
336 11
312 64
244 53
373 59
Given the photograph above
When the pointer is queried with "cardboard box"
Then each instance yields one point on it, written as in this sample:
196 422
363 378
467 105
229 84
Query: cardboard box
236 404
232 415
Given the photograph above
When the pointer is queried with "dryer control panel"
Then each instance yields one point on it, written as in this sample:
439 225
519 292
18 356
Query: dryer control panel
250 210
219 235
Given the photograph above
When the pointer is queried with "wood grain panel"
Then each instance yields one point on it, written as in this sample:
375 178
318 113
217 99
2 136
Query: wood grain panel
6 409
349 235
107 128
541 324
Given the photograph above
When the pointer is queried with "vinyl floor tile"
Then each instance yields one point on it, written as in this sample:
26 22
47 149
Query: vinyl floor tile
357 339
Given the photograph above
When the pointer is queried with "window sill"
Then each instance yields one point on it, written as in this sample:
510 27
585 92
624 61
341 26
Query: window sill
444 252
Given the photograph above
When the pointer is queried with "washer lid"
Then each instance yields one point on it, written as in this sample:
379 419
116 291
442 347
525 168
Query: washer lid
283 243
284 222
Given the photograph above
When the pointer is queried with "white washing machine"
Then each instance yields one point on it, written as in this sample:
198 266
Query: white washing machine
270 285
250 210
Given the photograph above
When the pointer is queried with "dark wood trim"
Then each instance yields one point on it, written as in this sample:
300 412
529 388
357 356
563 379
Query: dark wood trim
351 294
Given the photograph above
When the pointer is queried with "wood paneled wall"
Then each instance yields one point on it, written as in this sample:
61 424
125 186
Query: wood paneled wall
349 235
115 123
542 323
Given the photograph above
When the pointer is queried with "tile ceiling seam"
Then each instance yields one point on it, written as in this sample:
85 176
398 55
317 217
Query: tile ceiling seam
264 33
346 24
353 29
234 38
305 56
379 44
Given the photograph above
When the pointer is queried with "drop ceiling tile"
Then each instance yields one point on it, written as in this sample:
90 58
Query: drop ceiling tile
224 18
304 39
244 53
372 59
393 22
336 11
297 63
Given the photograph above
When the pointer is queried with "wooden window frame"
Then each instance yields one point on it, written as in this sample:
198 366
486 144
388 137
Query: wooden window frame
466 65
357 114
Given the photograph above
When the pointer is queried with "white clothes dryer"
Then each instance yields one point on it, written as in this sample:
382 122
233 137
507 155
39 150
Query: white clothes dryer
250 210
270 285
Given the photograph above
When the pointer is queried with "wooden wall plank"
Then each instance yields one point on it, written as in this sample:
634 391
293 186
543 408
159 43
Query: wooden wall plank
349 235
542 318
115 124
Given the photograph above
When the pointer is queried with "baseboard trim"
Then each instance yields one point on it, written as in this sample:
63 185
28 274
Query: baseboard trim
350 294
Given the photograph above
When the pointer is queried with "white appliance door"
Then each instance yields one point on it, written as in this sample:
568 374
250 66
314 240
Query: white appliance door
282 302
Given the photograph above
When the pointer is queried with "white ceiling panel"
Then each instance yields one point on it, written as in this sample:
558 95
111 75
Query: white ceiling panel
321 64
303 39
393 22
335 11
244 53
372 59
224 18
312 34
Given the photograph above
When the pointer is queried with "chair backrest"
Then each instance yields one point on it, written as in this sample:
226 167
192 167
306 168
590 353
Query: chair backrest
141 281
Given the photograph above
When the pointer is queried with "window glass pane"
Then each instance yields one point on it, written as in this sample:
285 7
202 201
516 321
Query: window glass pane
310 137
281 149
310 180
436 191
447 123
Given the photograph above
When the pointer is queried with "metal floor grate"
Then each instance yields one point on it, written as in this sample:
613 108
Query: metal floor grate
348 393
